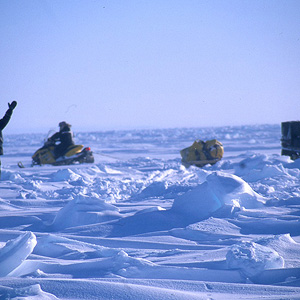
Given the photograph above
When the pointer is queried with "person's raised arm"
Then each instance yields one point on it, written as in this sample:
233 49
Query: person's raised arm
6 118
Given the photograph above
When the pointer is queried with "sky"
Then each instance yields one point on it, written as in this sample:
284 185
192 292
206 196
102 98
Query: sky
115 64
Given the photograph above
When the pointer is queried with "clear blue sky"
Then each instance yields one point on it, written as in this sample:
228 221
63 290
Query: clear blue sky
128 64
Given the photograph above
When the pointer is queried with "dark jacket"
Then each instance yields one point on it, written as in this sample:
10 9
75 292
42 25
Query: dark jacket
65 137
3 122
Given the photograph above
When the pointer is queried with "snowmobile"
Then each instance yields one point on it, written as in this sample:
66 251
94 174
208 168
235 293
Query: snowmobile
202 153
290 139
73 154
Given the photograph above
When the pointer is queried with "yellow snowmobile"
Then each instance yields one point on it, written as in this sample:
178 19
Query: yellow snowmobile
74 154
202 153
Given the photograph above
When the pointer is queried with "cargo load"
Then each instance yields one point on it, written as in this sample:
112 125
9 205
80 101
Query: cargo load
202 153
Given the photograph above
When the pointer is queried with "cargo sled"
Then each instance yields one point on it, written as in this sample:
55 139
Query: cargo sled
202 153
290 139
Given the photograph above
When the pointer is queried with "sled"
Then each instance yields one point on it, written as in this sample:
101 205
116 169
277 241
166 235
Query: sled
202 153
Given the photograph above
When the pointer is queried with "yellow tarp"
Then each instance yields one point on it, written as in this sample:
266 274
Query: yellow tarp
202 153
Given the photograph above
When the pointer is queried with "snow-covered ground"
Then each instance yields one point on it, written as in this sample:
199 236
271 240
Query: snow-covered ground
137 225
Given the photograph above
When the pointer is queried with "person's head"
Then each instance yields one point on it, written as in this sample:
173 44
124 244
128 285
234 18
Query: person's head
63 124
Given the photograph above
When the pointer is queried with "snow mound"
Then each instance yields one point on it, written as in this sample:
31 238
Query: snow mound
261 166
219 190
282 240
127 266
29 292
54 246
150 210
12 176
111 171
268 171
162 189
254 162
15 252
65 175
84 210
210 229
294 164
285 246
7 206
252 258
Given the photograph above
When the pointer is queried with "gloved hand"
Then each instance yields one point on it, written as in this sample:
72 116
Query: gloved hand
12 105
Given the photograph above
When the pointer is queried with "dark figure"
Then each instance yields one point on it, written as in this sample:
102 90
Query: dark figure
3 122
64 136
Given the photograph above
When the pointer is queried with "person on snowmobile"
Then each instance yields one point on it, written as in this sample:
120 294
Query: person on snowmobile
3 122
64 136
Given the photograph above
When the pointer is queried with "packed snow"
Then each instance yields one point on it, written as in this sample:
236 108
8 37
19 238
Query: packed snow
137 224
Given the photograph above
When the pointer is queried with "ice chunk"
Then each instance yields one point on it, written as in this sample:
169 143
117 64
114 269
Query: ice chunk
252 258
15 252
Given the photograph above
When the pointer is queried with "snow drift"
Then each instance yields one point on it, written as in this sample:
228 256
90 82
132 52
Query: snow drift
219 190
83 210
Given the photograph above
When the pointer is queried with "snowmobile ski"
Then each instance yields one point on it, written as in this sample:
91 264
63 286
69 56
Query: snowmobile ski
20 165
